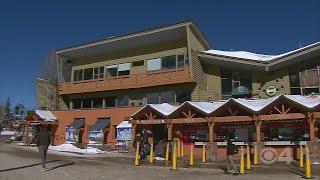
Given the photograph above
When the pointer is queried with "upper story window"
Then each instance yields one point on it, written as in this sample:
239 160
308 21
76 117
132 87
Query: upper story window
167 62
78 75
231 80
124 69
138 63
98 72
87 74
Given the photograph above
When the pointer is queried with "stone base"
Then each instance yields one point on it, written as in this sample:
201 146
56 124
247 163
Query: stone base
314 151
211 151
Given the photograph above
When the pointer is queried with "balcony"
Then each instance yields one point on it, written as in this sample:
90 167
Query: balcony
155 78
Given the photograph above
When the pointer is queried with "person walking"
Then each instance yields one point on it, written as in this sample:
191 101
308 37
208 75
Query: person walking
43 142
231 151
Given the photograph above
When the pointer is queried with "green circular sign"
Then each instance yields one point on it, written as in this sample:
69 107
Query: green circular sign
271 91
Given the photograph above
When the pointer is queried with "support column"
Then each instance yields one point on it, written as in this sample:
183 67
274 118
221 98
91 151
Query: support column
169 126
312 128
26 131
103 103
71 104
133 130
211 131
258 130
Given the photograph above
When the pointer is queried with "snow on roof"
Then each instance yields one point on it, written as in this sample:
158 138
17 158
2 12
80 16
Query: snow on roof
46 115
207 107
307 101
255 105
255 56
164 108
124 124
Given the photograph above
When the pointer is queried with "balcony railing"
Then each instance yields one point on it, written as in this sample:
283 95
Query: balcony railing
154 78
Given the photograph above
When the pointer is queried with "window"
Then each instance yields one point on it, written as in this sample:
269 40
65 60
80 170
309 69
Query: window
123 100
76 104
231 80
295 91
168 62
182 96
97 103
181 61
77 75
153 64
86 103
167 97
111 101
124 69
307 91
112 71
98 72
152 98
88 74
138 63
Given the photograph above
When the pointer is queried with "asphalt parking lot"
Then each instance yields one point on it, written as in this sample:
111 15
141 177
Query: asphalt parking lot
17 163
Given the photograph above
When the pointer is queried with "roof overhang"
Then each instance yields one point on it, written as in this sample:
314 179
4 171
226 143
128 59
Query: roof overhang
308 53
143 38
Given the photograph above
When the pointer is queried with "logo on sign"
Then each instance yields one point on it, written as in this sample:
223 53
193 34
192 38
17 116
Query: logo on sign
271 91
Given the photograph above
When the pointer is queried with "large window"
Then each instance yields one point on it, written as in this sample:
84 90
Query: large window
182 61
168 62
152 98
182 96
154 64
98 72
123 100
124 69
97 103
167 97
112 70
86 103
76 104
88 74
78 75
305 79
111 101
231 80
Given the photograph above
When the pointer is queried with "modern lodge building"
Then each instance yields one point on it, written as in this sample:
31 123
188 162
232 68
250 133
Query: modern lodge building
113 78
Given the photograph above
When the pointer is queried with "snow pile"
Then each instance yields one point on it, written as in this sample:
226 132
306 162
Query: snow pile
307 101
46 115
163 108
7 133
71 148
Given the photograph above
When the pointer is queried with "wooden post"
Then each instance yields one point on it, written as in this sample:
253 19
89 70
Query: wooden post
211 131
258 130
169 126
133 130
311 121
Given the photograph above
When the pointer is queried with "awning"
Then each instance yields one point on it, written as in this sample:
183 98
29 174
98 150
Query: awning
101 123
77 123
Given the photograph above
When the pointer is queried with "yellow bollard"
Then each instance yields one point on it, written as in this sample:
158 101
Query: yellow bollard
255 154
174 157
137 158
151 157
203 159
308 164
182 149
178 147
191 162
248 157
167 151
301 156
241 161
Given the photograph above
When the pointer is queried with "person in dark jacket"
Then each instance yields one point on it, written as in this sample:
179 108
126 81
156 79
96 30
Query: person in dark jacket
43 142
231 150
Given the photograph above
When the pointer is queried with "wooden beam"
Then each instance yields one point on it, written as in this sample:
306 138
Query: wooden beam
277 110
189 121
273 117
316 115
232 119
169 126
312 129
156 121
211 131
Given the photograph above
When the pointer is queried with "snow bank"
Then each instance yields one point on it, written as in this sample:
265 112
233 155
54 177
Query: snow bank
71 148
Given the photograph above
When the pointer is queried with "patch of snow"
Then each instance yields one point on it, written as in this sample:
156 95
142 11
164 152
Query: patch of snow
46 115
73 149
159 158
124 124
256 104
163 108
307 101
207 107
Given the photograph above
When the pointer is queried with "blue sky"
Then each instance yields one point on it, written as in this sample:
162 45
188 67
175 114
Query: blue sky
29 30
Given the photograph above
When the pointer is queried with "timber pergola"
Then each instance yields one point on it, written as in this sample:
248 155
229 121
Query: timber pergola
279 109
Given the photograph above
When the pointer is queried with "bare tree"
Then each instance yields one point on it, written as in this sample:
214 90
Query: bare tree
48 68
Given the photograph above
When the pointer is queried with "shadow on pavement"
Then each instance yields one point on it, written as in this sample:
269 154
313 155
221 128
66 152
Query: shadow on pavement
27 166
61 165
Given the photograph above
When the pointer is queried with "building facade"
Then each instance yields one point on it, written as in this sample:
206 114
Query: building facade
116 76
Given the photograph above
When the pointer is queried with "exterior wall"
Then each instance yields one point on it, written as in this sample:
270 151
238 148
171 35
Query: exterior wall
196 69
116 115
213 82
262 80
